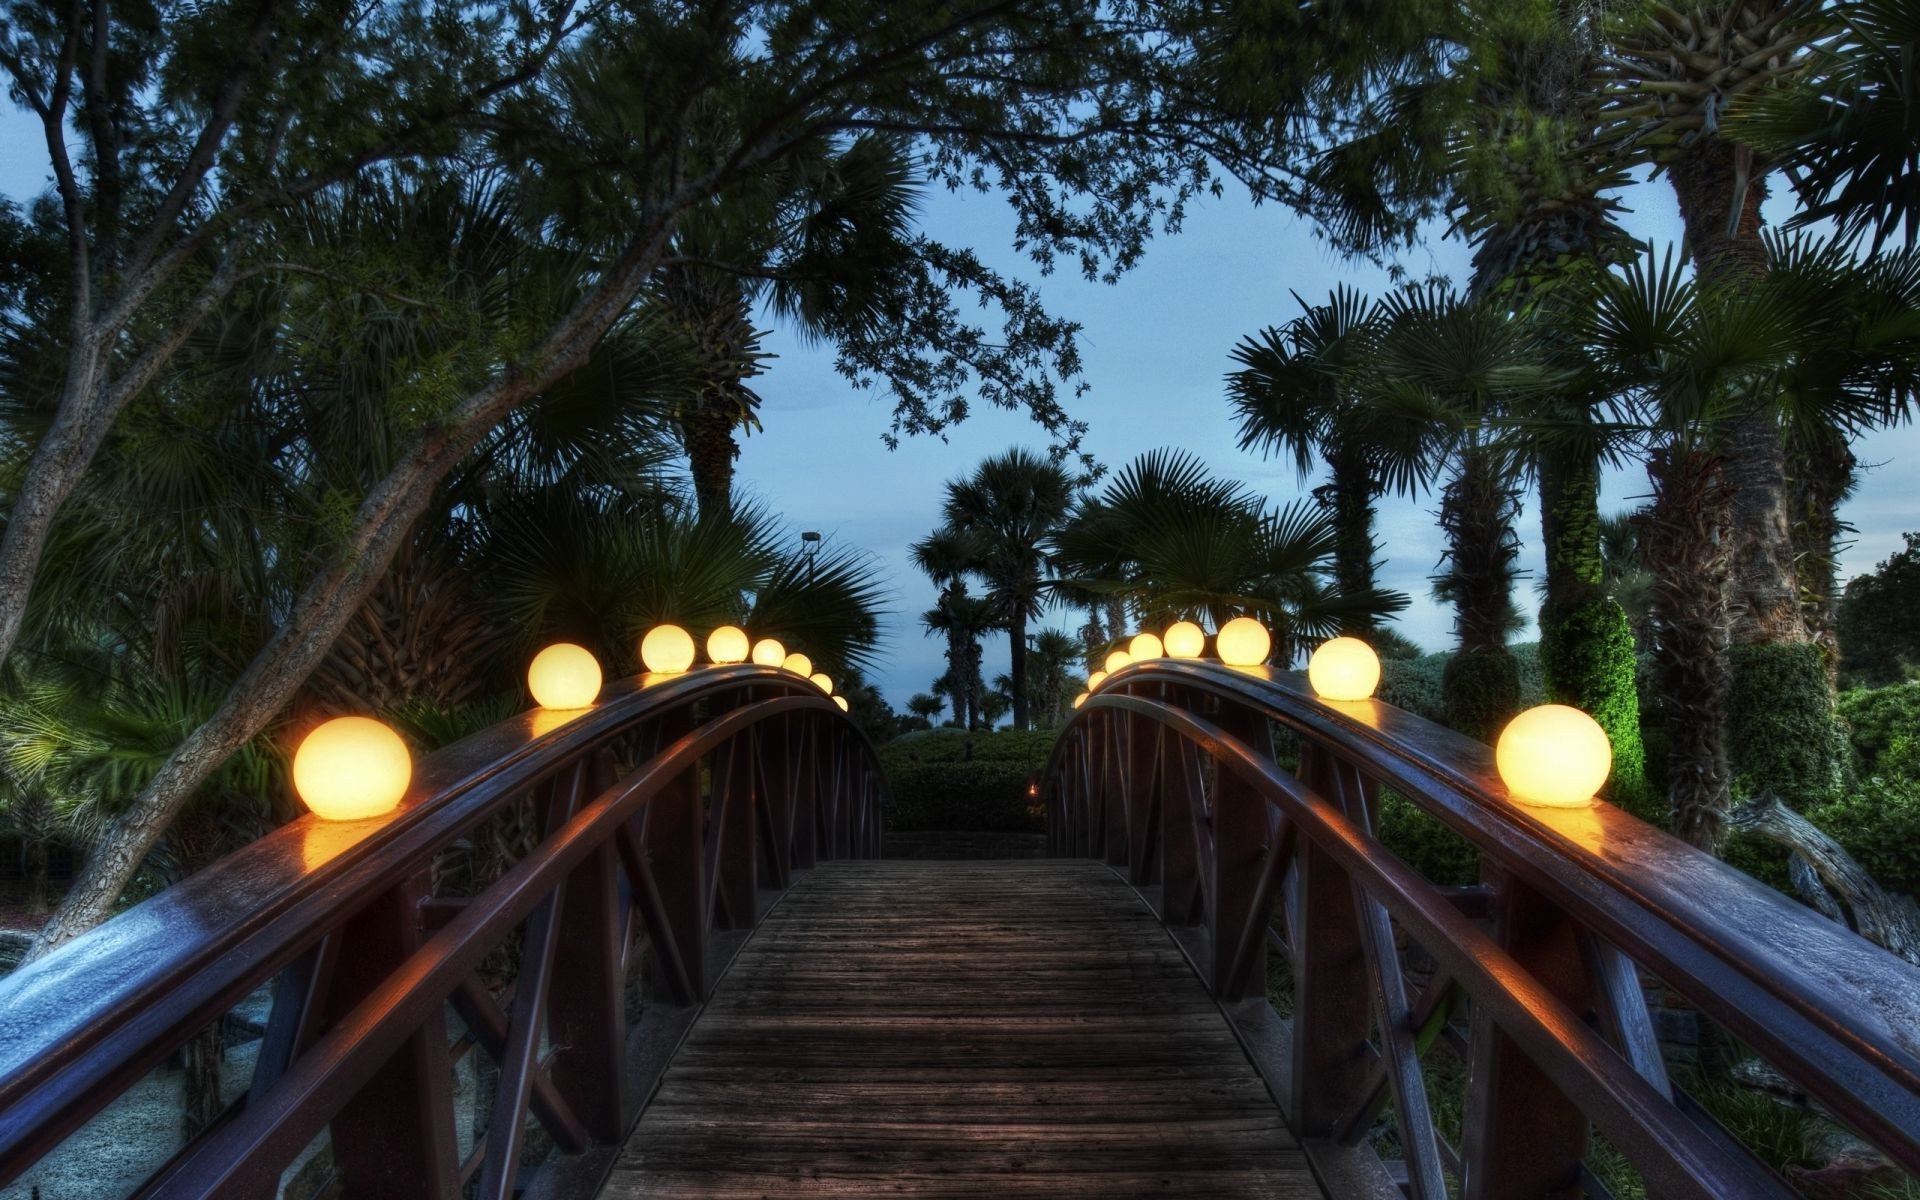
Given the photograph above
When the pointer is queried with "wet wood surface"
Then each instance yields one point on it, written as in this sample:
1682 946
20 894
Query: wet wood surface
961 1029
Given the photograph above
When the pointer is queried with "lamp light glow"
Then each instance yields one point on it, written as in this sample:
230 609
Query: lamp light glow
769 653
1344 668
351 768
728 644
1184 639
564 676
1145 646
823 681
1096 679
1080 699
842 702
798 663
1243 642
1554 756
1118 659
667 650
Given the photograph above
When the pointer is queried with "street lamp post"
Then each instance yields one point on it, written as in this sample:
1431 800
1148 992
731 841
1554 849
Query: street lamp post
810 546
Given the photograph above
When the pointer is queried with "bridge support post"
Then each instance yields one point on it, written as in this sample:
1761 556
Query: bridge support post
586 1017
1330 984
1182 892
1143 800
778 780
1512 1102
732 818
1110 769
394 1139
675 848
1243 842
806 762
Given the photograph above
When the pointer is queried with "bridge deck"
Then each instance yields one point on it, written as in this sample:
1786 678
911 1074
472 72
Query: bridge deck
942 1028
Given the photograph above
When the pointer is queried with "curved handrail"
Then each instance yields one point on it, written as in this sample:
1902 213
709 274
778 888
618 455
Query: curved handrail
1835 1013
81 1025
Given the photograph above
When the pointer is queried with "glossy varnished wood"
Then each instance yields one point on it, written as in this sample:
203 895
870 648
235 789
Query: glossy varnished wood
944 1028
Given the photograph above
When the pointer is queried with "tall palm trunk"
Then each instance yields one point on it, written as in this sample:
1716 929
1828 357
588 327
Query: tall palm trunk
1684 541
1017 666
1822 472
1348 496
1781 711
1481 685
1586 640
711 449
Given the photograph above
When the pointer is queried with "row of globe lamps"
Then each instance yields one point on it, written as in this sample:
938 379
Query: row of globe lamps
352 768
1550 756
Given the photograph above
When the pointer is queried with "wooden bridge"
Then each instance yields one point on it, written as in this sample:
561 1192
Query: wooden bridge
653 949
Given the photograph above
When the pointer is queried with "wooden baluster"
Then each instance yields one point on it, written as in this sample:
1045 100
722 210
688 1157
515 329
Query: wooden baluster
850 794
395 1138
801 760
732 851
1511 1101
1242 847
1113 789
1330 980
1182 794
1143 799
777 783
674 847
587 1015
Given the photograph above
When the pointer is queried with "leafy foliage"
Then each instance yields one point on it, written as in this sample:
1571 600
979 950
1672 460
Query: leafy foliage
1879 638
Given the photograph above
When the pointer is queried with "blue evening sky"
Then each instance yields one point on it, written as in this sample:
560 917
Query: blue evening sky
1155 347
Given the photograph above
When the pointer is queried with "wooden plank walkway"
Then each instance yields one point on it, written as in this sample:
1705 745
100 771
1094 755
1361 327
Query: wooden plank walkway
961 1029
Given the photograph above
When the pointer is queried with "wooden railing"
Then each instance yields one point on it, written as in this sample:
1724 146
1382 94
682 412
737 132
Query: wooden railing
658 826
1169 773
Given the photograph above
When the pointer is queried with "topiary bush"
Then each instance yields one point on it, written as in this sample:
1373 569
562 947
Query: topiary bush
1481 691
1587 660
1781 733
953 781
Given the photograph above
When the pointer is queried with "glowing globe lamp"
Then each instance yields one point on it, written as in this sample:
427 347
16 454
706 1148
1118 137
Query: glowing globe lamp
1184 639
1096 679
1553 756
1080 699
727 644
1243 642
769 653
823 681
351 768
1145 646
667 650
798 663
1118 659
842 702
1344 668
564 676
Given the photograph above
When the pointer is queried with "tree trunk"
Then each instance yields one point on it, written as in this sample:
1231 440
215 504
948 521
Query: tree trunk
1708 181
1829 879
1349 495
1017 666
1481 684
1823 477
37 893
1586 642
1683 540
711 451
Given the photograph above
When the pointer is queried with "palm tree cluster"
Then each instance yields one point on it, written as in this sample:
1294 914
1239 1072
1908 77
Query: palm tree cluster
1162 541
1739 376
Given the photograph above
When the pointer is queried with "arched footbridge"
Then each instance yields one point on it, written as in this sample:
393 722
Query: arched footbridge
655 950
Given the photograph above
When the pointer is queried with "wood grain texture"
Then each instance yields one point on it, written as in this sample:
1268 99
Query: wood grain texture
961 1029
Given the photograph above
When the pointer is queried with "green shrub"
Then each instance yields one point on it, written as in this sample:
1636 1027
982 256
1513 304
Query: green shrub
1587 660
1415 683
954 781
1781 733
1876 716
1879 824
1482 692
1423 843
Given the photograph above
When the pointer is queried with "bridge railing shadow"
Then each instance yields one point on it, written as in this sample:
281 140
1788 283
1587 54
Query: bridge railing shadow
1534 977
653 830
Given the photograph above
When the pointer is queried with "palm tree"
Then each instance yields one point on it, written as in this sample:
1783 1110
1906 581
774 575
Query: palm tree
1011 505
1053 675
1173 543
964 620
947 556
814 245
1298 391
1846 126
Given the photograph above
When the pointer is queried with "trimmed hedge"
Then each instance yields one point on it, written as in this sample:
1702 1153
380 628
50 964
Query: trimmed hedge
1781 733
951 781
